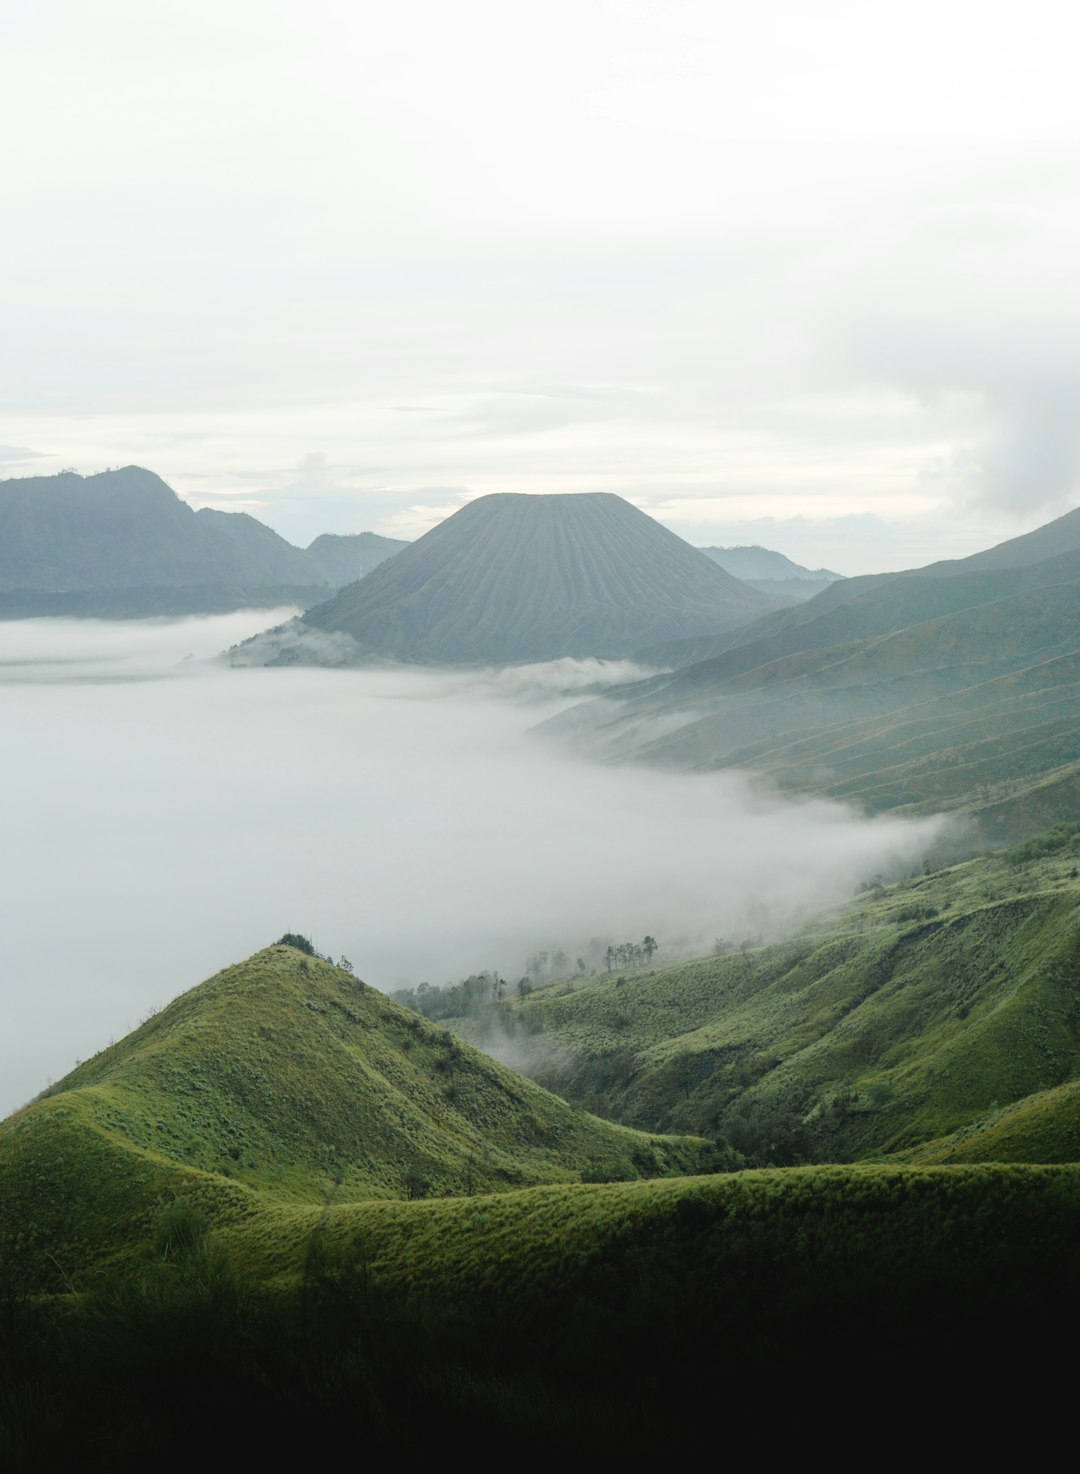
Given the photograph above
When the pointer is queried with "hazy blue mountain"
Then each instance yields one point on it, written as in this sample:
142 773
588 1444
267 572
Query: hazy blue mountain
343 558
513 578
123 543
771 572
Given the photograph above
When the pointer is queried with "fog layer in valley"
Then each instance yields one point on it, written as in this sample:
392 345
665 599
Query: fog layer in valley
166 815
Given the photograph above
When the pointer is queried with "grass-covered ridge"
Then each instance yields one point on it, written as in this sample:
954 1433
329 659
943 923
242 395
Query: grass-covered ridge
284 1078
913 1015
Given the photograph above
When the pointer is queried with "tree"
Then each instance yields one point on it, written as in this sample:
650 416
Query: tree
651 945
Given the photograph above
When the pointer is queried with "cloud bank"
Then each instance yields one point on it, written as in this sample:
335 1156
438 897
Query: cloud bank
173 815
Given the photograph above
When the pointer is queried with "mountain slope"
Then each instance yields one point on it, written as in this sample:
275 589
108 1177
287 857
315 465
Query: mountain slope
513 578
947 688
905 1019
286 1079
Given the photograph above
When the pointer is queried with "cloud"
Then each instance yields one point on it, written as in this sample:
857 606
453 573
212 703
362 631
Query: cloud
168 825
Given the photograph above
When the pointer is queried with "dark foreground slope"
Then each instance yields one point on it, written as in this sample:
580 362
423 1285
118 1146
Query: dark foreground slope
523 578
953 688
206 1207
617 1320
939 1019
122 543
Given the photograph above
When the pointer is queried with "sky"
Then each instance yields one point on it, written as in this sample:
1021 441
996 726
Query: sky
792 274
173 815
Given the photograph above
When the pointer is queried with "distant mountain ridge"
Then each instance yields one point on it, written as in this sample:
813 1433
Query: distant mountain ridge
123 541
772 573
526 578
947 688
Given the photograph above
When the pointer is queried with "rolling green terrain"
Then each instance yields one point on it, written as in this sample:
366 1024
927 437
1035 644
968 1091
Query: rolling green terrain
527 578
308 1214
938 1019
287 1079
952 688
121 544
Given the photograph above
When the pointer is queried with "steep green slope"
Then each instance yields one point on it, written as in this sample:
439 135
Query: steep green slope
512 578
286 1078
906 1018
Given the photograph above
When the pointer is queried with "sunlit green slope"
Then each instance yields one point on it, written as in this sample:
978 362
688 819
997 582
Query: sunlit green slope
285 1079
908 1017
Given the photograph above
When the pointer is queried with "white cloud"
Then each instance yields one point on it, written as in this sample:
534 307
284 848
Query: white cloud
177 815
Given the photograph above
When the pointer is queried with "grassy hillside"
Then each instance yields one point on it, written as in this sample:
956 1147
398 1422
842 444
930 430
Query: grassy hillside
217 1207
923 693
606 1319
911 1016
512 578
286 1078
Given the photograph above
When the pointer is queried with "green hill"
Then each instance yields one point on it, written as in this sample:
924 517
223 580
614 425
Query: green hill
122 543
214 1214
909 1017
285 1078
528 578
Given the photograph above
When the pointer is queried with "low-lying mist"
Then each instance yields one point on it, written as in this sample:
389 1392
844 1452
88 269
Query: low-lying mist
167 815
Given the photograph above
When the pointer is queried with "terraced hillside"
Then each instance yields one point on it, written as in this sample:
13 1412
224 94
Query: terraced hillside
939 1019
952 689
521 578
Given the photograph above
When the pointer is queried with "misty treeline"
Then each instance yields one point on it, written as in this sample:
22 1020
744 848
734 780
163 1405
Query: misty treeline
477 994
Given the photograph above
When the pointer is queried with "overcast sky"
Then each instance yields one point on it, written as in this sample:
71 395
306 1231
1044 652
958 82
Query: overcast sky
799 274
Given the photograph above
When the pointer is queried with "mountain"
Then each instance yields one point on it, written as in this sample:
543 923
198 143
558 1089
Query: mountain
524 578
772 573
343 558
286 1077
935 1020
122 542
951 688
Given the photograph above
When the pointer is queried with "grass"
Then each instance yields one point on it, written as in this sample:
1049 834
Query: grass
284 1078
905 1018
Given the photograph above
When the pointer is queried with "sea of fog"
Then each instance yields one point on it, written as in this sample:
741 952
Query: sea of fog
165 815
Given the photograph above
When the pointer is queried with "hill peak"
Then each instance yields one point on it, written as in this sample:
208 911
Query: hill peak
289 1075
